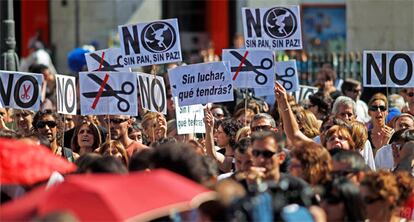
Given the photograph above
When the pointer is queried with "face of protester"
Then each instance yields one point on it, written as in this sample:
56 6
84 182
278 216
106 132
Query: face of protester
337 141
118 126
345 113
47 126
136 136
23 120
170 104
243 161
112 151
378 112
85 137
404 122
374 204
354 93
69 122
322 82
410 99
295 167
218 113
261 125
222 138
265 156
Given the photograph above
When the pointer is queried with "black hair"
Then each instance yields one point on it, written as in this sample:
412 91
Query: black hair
262 135
140 160
353 158
105 164
243 145
164 140
230 128
37 68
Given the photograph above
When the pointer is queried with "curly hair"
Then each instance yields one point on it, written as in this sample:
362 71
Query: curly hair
382 184
230 128
315 160
405 185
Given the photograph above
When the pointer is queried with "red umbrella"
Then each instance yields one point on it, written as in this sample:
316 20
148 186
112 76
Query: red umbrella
107 197
26 164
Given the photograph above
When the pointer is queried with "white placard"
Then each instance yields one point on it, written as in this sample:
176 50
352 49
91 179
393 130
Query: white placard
106 60
250 68
153 92
286 75
118 97
388 69
189 118
20 90
304 92
276 28
66 94
155 42
201 83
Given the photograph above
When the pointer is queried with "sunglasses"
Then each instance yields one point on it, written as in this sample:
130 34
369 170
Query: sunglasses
376 108
410 94
116 121
264 153
261 128
42 124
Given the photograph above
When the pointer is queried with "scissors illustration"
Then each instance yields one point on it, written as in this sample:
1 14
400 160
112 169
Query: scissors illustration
250 67
289 72
26 92
105 65
127 89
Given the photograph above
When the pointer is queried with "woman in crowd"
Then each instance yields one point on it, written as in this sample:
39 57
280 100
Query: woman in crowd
86 138
338 137
320 105
116 149
23 120
379 134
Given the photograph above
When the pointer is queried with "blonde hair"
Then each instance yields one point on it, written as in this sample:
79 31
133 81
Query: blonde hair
242 133
378 96
308 122
359 134
341 130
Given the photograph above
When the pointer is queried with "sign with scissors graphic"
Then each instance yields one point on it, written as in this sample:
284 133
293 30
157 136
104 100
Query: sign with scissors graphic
250 68
112 93
20 90
106 60
286 75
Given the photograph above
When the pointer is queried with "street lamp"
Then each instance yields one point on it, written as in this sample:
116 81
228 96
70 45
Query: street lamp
8 59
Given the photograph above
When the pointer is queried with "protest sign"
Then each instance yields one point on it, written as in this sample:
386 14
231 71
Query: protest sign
189 118
156 42
20 90
286 75
250 68
276 28
106 60
66 94
152 91
304 92
201 83
104 93
388 69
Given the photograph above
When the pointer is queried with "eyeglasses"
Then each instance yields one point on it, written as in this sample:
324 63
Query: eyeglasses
42 124
376 108
116 121
410 94
265 153
261 128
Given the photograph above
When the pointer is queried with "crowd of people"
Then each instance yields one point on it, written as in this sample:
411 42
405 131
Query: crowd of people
332 157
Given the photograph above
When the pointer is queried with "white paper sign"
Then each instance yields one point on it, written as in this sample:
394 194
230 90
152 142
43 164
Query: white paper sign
144 44
276 28
388 69
286 75
20 90
66 94
304 92
118 93
250 68
153 92
106 60
201 83
189 118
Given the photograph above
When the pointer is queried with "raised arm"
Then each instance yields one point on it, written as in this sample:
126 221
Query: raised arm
211 151
290 125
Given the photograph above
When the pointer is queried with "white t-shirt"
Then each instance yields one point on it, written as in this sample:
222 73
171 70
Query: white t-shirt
384 159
